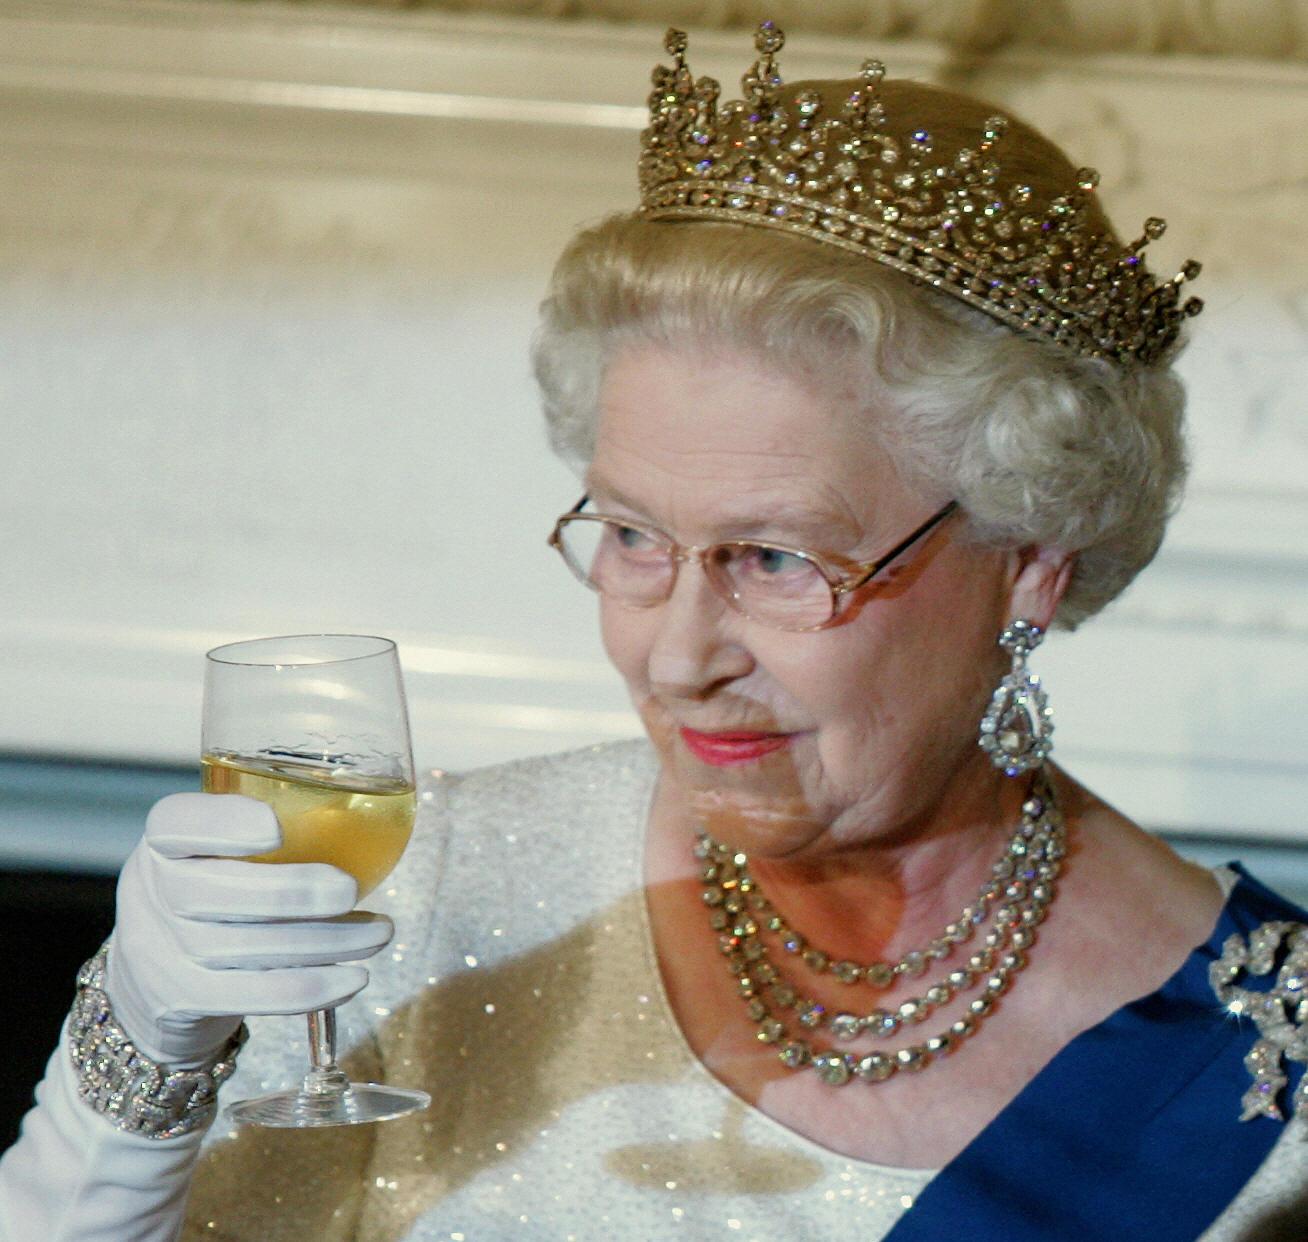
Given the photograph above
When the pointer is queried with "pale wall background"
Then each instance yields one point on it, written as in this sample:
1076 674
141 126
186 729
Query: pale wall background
267 278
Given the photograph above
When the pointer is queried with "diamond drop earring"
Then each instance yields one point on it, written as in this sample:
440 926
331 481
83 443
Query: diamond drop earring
1015 731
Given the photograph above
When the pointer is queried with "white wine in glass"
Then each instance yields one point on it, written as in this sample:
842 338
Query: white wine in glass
315 725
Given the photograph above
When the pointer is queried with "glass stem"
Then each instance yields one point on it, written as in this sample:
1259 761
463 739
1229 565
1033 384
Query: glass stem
324 1076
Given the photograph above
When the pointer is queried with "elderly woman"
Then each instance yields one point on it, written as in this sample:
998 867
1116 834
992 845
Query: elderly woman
867 396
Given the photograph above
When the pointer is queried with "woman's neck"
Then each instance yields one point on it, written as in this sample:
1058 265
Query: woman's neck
877 897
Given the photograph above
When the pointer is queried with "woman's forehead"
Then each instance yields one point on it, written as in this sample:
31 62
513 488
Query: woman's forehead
807 508
722 441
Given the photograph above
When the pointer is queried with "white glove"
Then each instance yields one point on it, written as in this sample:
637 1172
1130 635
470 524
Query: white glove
203 938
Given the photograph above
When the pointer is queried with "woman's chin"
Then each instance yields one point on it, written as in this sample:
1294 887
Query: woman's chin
766 826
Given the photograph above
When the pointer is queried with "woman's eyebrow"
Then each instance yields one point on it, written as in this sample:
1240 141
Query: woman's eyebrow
787 521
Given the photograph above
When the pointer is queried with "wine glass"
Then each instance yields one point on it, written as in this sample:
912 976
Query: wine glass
315 725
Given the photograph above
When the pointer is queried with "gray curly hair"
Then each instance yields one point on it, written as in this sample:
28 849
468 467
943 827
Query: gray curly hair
1039 445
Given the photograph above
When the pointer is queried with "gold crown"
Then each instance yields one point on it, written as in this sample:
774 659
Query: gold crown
1048 268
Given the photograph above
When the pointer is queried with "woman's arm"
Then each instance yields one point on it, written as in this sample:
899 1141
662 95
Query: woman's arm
74 1177
202 938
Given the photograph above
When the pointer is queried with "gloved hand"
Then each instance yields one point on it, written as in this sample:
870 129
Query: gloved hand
203 938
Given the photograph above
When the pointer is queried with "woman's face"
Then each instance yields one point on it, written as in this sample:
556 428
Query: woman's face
868 723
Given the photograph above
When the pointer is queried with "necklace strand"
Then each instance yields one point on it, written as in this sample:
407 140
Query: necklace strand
1024 877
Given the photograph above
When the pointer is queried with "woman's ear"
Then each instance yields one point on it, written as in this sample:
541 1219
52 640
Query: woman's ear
1039 584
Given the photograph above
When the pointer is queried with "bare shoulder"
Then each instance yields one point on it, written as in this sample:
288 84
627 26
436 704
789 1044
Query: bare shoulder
1130 909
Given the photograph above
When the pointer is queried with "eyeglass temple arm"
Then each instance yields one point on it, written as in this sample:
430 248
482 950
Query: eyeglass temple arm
553 539
871 570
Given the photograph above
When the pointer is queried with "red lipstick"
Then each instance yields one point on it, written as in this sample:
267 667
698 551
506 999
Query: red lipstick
732 746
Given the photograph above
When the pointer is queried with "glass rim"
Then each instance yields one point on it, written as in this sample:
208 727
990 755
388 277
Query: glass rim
225 653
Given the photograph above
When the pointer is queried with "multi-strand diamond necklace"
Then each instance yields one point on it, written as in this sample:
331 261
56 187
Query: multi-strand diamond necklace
1012 902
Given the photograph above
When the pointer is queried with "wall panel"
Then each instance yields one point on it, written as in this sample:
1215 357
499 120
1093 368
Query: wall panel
266 282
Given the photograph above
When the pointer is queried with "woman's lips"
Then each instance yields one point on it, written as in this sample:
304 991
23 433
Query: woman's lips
732 746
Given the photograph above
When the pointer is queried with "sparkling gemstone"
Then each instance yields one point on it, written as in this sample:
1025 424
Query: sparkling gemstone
795 1054
912 1011
875 1067
914 963
847 972
882 1021
770 1031
846 1025
879 975
832 1068
811 1016
913 1058
815 959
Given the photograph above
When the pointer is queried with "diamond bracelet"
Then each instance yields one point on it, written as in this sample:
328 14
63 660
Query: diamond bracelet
122 1084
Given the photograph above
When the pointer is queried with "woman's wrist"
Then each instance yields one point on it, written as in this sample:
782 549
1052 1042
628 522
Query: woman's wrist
133 1092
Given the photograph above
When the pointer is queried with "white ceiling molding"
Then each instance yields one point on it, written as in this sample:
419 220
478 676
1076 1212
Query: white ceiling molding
1262 29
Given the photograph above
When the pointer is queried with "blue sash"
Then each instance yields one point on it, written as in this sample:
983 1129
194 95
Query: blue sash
1131 1131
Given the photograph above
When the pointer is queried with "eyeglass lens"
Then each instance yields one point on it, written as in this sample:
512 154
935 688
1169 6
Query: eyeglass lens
769 585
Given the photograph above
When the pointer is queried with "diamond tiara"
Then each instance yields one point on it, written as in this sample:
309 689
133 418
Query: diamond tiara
843 173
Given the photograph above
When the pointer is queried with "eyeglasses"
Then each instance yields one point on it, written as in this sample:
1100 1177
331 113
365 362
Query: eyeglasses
782 587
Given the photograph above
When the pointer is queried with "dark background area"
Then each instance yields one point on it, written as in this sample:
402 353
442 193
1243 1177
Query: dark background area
38 971
66 825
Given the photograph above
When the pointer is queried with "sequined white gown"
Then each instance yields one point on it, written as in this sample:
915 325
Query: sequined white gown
522 992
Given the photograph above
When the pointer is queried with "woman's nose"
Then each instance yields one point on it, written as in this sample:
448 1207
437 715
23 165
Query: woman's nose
697 643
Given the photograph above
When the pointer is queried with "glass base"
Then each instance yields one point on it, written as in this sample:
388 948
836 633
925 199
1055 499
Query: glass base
358 1103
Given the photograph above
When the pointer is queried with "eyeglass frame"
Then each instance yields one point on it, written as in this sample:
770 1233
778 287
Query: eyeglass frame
840 583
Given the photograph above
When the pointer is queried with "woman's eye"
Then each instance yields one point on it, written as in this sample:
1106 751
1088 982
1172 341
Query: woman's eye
634 542
630 537
773 562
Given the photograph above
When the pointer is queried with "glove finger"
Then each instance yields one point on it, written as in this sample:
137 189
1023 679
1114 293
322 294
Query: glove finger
227 889
272 946
185 825
210 993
